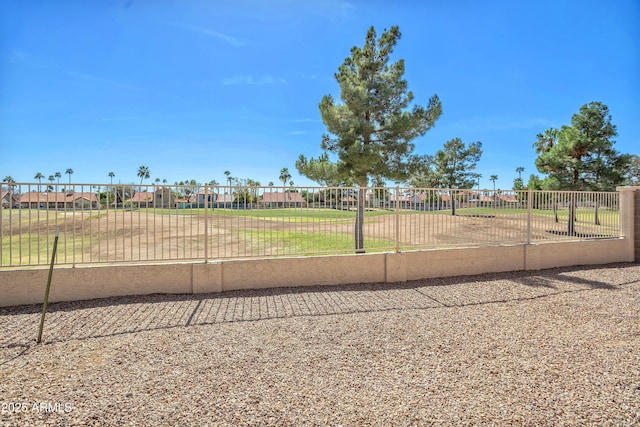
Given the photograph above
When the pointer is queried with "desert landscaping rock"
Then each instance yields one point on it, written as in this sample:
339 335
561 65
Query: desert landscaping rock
554 347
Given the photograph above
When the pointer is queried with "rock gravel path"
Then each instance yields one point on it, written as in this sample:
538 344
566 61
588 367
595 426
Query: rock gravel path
554 347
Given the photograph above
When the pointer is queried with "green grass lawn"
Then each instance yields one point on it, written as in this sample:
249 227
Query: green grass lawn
308 243
25 249
292 214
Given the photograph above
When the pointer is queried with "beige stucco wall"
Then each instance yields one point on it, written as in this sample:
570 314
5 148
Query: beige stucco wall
630 217
69 284
280 272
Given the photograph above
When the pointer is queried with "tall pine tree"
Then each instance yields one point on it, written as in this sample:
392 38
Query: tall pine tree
582 156
371 129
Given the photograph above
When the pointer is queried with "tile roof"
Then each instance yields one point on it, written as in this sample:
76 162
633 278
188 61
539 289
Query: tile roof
278 197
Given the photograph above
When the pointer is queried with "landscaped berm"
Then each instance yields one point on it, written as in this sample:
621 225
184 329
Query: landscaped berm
545 348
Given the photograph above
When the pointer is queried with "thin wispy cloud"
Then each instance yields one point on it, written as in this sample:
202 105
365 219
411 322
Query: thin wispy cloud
233 41
250 80
18 56
337 9
27 59
298 132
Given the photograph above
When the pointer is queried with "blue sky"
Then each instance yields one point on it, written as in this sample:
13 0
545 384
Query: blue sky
193 88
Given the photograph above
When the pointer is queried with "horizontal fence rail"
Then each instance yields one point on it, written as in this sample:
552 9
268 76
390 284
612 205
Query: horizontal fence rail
148 223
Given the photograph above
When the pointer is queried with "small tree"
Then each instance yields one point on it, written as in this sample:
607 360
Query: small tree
143 173
633 171
452 167
494 178
10 185
371 129
284 176
39 177
581 156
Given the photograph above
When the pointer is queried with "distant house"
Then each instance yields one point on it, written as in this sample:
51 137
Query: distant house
223 200
486 200
160 198
5 200
507 199
59 200
142 199
83 200
201 197
400 201
280 200
348 202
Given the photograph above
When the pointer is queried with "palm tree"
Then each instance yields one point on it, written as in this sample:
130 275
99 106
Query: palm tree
546 140
39 177
69 172
111 175
493 178
10 184
51 179
227 173
284 176
271 184
58 175
143 173
520 169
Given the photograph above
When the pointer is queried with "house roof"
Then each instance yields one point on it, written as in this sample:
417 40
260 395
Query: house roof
56 197
142 196
507 198
93 197
278 197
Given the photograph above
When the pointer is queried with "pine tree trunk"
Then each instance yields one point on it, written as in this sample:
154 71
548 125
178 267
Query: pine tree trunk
359 225
453 203
597 219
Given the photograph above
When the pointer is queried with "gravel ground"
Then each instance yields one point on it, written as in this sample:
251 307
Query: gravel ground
554 347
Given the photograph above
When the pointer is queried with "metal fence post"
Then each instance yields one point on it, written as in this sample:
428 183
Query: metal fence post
206 224
397 233
46 294
529 207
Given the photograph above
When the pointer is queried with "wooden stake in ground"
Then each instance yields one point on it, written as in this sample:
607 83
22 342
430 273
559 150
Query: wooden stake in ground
46 294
